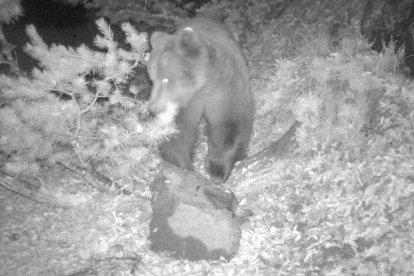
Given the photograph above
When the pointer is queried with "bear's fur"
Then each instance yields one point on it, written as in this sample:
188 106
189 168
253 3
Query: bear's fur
202 69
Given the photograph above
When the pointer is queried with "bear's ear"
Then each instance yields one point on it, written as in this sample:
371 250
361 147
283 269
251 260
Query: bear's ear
190 43
158 39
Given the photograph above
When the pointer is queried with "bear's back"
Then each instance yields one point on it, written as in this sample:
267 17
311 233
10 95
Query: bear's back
211 29
219 38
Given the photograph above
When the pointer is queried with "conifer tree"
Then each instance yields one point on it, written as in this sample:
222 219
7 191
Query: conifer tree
74 109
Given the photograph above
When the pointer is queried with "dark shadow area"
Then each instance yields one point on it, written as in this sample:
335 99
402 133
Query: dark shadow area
389 20
55 23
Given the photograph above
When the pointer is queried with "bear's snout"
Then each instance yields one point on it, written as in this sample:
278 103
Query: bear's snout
167 109
155 108
157 103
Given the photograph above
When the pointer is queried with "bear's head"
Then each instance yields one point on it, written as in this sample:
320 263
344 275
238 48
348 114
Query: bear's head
178 67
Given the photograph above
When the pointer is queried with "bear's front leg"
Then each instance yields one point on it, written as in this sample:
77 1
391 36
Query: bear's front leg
225 147
179 149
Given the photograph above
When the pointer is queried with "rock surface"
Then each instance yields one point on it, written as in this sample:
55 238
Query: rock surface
192 219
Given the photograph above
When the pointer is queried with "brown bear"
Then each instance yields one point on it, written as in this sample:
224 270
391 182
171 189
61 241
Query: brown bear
202 69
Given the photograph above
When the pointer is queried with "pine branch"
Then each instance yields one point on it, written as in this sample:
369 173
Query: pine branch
79 128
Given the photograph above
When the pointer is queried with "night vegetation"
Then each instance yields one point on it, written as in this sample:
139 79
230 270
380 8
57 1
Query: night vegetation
340 203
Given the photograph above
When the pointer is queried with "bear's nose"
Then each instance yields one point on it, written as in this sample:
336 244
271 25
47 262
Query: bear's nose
154 108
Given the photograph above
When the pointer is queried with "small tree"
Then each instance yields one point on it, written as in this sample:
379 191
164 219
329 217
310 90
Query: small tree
74 108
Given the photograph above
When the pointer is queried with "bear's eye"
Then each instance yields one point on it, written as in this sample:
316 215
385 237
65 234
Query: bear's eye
169 83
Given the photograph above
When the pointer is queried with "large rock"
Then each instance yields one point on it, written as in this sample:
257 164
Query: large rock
192 219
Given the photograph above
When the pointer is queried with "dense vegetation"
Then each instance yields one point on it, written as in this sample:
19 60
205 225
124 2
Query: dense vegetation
342 204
